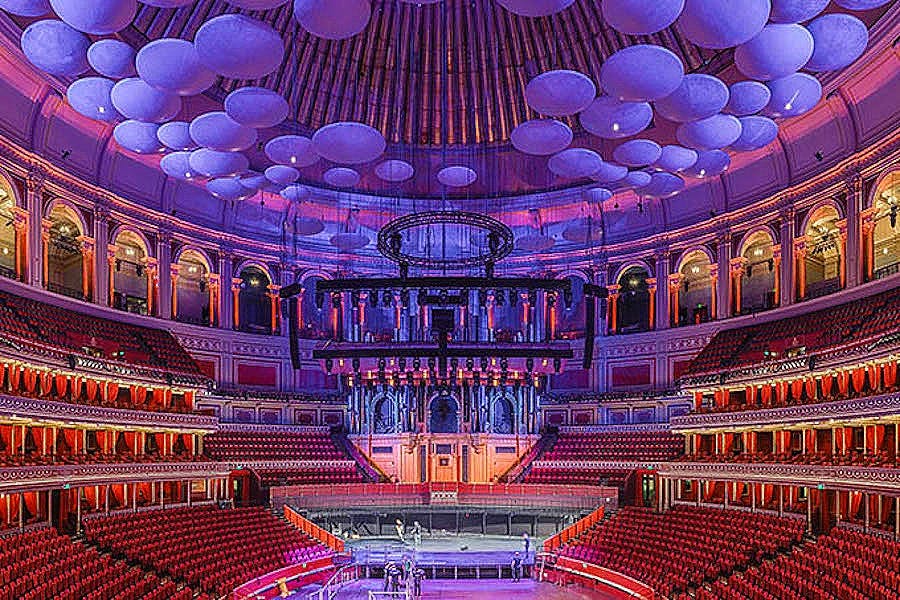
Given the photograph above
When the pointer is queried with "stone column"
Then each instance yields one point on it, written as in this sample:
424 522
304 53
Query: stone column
152 265
724 263
20 224
235 302
173 292
786 282
800 264
46 224
101 263
853 184
738 264
214 288
34 204
651 290
164 273
842 252
661 319
87 267
675 281
274 301
225 309
868 242
713 291
776 262
612 300
110 273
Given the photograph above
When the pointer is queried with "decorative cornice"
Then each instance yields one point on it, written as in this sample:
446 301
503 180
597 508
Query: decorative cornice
289 465
19 479
48 410
842 477
258 428
600 465
636 428
861 409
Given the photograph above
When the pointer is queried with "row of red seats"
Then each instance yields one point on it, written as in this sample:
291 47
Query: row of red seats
43 565
685 546
591 446
855 458
232 445
848 323
42 323
207 548
540 474
341 474
34 459
844 564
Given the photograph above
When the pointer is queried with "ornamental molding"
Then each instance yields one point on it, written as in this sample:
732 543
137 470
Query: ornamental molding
259 428
19 407
256 349
19 479
636 428
884 405
288 465
600 465
201 344
868 478
633 349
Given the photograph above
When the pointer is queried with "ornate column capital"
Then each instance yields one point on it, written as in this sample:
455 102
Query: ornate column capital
842 229
236 284
651 284
613 290
46 224
87 244
853 179
714 271
111 250
738 264
800 246
174 271
675 280
776 254
36 179
20 218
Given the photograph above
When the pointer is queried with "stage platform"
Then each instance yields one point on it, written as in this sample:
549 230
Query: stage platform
445 555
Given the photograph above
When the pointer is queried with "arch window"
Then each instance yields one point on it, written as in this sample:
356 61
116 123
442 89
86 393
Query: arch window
634 301
753 275
63 252
886 229
822 255
8 239
254 301
572 313
191 289
691 290
316 321
132 279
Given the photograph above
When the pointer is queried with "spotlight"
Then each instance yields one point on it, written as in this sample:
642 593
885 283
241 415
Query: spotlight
66 154
819 156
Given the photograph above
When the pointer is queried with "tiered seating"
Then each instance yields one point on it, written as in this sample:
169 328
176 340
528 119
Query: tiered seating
855 458
241 445
848 324
646 446
340 474
843 564
208 548
580 476
43 565
684 546
50 328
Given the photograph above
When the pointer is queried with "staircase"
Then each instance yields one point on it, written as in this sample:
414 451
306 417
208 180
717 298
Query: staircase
370 472
520 468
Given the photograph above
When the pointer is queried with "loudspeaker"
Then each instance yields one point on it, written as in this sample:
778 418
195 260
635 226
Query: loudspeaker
293 341
590 316
290 290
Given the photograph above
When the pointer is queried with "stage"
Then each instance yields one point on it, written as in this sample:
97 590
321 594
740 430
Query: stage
445 555
478 590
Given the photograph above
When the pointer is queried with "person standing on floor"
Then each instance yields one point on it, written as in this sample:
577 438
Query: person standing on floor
526 541
418 577
517 567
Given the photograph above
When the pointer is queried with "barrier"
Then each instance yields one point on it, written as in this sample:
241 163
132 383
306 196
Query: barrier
577 497
574 530
313 530
293 577
566 570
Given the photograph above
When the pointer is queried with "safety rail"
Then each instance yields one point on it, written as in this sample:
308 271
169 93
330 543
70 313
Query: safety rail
574 530
279 582
313 530
576 497
563 570
341 577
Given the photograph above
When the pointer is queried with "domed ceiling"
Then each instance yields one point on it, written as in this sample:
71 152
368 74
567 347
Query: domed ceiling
474 98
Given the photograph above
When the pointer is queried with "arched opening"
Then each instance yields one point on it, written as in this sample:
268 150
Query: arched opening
7 230
191 289
507 316
254 304
384 415
315 310
633 311
130 277
693 294
886 232
572 314
444 411
503 419
756 278
64 270
823 252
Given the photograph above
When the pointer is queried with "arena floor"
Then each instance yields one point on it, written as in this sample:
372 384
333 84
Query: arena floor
446 589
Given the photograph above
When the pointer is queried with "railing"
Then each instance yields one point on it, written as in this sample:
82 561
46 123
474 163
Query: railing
313 530
342 577
574 530
887 271
576 497
565 569
63 290
276 583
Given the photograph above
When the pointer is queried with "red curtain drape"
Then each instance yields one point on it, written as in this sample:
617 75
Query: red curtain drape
889 371
698 400
91 385
112 391
843 381
766 394
46 383
796 388
873 377
15 373
859 379
782 392
30 378
62 385
811 388
826 385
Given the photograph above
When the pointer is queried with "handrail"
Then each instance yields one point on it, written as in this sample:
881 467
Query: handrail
340 578
313 530
575 529
275 582
598 575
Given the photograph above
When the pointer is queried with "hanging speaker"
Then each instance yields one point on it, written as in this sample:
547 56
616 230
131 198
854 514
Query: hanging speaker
293 333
